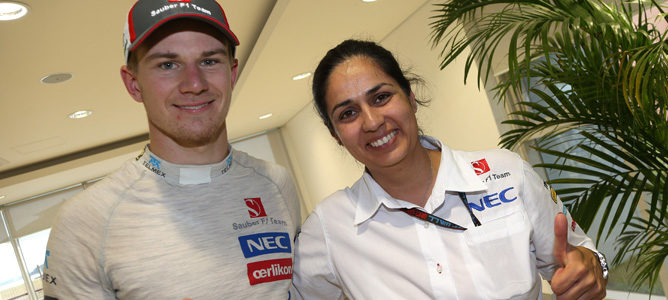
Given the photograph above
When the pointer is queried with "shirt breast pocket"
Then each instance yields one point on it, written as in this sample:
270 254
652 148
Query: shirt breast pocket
501 245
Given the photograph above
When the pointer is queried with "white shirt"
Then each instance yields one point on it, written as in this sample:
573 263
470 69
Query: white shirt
356 243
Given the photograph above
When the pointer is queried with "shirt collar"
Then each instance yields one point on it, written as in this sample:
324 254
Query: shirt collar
183 174
455 174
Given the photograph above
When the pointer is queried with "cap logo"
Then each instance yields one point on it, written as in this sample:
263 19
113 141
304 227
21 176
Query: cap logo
181 3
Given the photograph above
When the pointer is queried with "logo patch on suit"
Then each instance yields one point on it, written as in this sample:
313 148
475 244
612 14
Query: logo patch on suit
255 207
269 270
265 243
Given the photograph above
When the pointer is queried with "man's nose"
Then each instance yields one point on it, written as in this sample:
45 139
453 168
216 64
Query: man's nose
193 80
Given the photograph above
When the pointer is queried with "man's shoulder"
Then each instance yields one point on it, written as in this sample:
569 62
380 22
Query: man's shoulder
265 168
100 196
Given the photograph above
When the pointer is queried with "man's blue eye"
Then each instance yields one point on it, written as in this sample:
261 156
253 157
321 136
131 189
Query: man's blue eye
209 62
167 65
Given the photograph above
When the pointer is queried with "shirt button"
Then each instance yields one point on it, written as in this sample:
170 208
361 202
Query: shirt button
439 268
426 224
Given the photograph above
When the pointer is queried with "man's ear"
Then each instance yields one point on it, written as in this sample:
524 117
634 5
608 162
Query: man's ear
233 71
131 85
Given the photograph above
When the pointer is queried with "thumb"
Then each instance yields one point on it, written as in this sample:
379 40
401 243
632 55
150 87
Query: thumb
560 238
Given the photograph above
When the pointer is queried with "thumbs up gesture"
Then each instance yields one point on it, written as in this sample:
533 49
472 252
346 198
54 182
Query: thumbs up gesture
579 275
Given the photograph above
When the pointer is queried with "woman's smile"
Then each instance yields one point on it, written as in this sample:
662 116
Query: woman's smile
384 140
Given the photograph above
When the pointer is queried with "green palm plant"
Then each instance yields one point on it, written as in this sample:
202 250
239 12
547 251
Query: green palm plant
599 71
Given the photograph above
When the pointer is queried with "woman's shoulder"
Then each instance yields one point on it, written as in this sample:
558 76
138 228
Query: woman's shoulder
342 202
499 157
493 153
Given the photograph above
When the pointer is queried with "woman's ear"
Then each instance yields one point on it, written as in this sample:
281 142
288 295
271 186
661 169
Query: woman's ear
336 137
413 102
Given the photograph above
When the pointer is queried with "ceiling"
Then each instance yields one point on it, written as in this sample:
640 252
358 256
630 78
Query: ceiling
279 39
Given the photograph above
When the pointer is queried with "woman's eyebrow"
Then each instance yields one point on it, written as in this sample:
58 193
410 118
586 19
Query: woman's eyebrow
343 103
376 88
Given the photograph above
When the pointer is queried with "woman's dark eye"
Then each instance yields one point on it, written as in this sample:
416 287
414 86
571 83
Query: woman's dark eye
347 114
382 98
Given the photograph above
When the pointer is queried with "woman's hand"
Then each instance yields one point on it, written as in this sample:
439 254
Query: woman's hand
580 275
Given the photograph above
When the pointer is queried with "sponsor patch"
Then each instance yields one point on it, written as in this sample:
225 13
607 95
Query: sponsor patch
142 152
46 259
265 243
480 166
50 279
255 207
495 199
154 162
269 270
553 193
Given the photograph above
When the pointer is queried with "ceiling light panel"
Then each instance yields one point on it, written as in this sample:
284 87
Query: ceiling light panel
56 78
301 76
12 10
80 114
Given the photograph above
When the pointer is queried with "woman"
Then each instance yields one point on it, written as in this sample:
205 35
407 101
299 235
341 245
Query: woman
425 221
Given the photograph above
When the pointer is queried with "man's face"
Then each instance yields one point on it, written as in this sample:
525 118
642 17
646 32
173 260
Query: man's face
184 77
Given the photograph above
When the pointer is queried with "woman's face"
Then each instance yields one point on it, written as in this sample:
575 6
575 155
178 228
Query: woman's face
372 116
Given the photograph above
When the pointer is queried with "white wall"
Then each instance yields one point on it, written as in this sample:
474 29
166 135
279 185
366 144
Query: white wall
320 165
459 115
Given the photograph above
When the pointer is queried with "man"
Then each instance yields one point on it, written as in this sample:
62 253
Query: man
190 217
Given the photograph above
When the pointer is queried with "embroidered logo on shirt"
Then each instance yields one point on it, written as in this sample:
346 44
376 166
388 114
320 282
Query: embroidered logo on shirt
269 270
265 243
480 166
573 224
255 207
492 200
553 193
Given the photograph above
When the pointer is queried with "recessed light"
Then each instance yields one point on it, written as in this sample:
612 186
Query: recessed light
368 0
262 117
12 10
56 78
80 114
2 197
301 76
